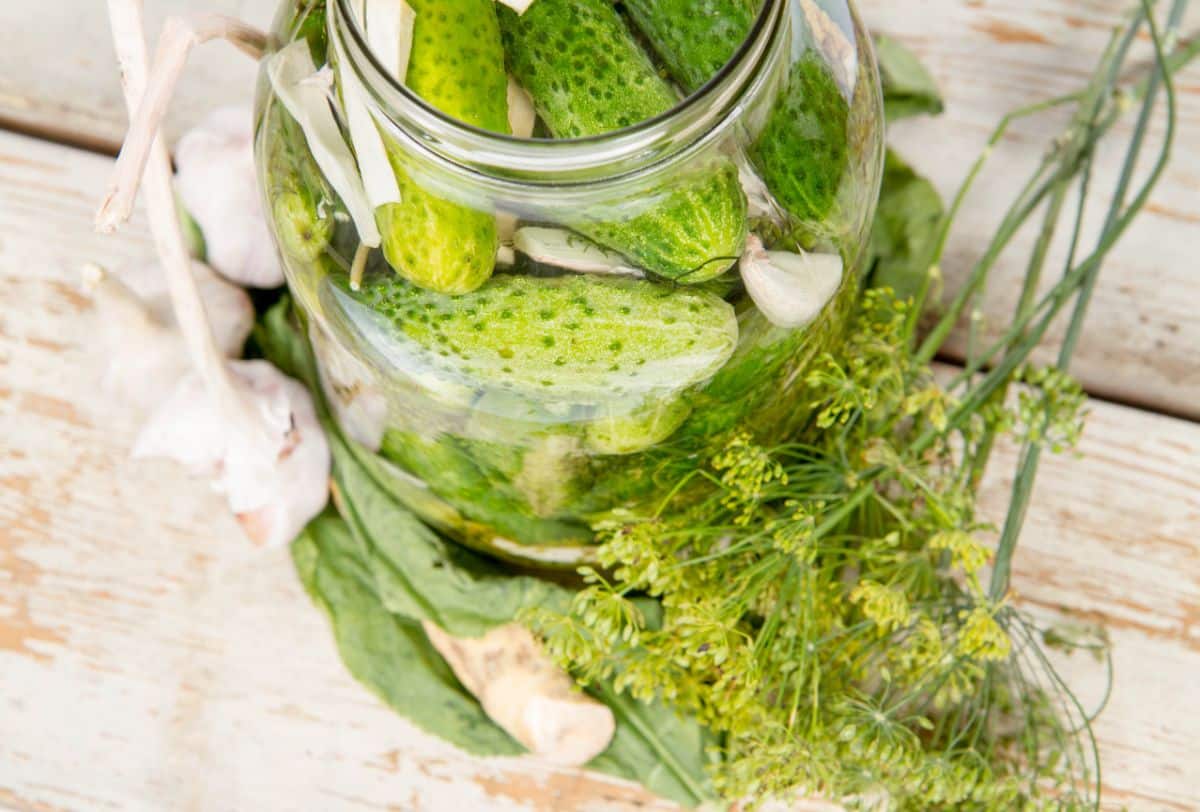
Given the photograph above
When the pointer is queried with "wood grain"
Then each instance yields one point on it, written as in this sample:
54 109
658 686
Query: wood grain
990 57
150 658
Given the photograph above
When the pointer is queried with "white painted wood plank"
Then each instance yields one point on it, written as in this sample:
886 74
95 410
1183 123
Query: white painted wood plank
150 658
991 57
58 73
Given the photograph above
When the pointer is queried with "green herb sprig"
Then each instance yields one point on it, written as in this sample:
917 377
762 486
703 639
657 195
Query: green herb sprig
826 608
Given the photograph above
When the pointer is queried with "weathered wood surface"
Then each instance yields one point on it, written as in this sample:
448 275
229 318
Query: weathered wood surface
57 77
150 658
989 57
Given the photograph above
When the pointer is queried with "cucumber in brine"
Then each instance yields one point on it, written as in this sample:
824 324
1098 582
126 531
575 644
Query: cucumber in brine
587 76
457 65
802 153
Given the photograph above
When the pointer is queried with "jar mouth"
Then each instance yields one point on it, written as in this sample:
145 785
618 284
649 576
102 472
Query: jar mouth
646 142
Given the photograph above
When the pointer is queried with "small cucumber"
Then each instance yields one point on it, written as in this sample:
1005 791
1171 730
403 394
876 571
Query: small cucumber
301 198
801 154
568 339
587 76
803 151
457 65
694 38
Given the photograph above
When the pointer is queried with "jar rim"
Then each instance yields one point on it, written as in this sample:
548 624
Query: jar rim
644 142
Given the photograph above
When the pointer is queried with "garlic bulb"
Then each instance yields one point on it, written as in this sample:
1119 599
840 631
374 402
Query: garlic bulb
145 353
789 289
215 180
273 467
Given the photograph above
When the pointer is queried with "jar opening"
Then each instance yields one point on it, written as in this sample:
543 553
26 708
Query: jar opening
571 159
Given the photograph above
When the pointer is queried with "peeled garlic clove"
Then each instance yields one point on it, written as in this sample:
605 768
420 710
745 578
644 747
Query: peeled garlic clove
521 115
527 694
216 183
790 290
567 250
271 459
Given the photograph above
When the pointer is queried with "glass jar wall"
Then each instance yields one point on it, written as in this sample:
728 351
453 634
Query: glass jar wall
574 249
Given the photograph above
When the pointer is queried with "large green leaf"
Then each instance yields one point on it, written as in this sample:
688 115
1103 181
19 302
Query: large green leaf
905 229
389 653
908 88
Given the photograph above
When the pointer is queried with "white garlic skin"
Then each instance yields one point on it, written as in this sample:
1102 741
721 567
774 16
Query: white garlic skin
790 290
273 470
216 182
145 354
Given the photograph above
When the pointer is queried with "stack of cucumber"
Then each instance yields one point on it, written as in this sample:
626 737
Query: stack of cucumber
665 344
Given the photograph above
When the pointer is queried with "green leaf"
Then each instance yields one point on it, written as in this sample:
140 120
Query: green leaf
905 229
653 745
387 653
908 88
416 572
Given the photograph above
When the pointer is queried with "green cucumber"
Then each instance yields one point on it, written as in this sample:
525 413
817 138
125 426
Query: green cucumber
694 38
587 76
302 201
457 65
801 153
571 339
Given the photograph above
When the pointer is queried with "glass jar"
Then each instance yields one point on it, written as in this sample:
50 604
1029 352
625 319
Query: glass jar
518 414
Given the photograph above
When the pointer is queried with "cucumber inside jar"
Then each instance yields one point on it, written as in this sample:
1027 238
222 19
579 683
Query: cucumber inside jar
538 367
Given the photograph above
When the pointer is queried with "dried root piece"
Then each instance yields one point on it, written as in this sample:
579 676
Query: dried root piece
216 182
525 693
179 36
789 289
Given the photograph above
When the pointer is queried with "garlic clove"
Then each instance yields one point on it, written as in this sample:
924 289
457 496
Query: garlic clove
569 251
287 70
790 290
527 694
215 180
273 467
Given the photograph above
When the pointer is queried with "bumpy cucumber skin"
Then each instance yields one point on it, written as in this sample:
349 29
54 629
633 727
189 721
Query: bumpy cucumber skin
694 38
457 65
694 234
587 76
572 338
802 153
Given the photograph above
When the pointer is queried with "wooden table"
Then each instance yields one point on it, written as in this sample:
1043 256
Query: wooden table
150 658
